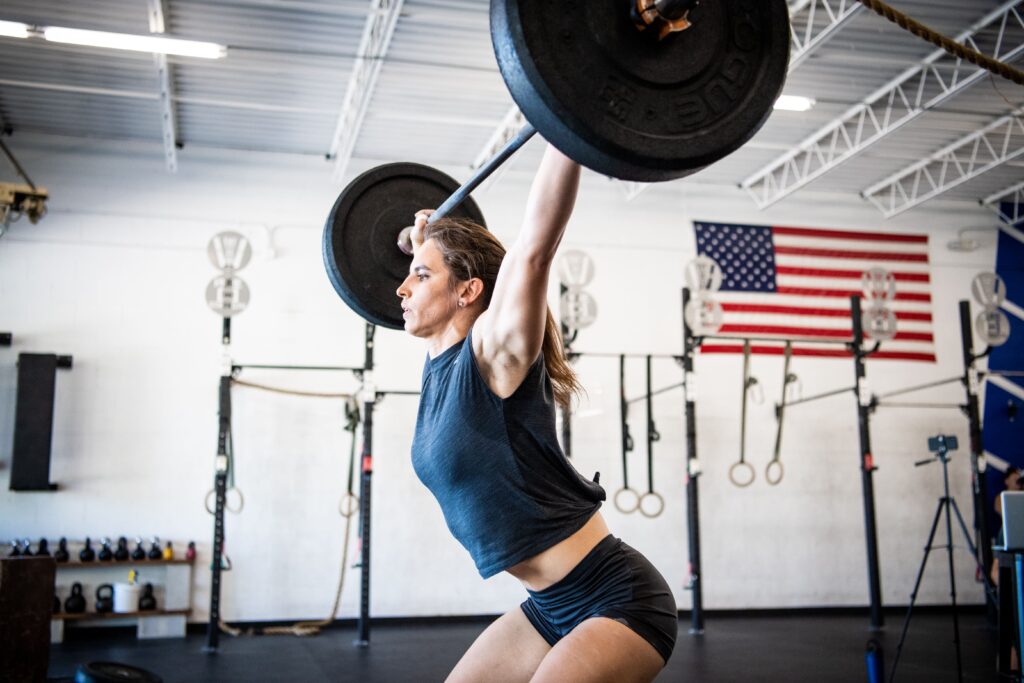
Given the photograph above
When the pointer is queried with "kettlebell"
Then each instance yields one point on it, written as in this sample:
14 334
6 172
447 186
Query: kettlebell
105 598
154 550
106 555
43 549
190 554
15 550
75 604
26 547
61 554
139 553
169 552
87 554
122 554
147 601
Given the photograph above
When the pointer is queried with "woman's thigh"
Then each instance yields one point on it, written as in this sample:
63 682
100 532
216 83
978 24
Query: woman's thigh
600 650
508 651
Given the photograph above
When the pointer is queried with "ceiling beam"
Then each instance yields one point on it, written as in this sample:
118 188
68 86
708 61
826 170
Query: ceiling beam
807 30
403 116
377 34
165 80
952 166
509 127
924 86
1013 197
80 89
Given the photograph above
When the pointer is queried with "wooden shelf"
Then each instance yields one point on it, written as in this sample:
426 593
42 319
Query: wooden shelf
122 563
175 576
63 616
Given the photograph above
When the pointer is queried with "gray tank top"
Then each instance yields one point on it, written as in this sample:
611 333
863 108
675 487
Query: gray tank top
504 485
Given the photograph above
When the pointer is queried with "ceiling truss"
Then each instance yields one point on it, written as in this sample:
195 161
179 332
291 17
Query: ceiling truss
924 86
157 24
377 34
807 33
509 127
966 159
1008 205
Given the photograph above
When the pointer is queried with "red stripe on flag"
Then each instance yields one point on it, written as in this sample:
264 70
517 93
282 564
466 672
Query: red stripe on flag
847 293
818 353
818 332
847 274
851 235
919 317
914 336
851 254
734 330
811 311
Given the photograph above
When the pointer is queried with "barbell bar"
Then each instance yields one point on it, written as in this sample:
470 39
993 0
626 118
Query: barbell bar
638 105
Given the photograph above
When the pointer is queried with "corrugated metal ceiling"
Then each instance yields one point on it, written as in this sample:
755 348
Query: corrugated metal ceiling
439 96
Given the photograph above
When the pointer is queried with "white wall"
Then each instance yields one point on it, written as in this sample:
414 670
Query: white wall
115 276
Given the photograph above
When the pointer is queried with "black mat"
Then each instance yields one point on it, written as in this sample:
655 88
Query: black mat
791 648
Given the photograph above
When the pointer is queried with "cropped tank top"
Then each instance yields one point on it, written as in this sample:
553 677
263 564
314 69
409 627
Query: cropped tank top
505 487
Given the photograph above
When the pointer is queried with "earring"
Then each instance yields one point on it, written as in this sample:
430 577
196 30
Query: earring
462 304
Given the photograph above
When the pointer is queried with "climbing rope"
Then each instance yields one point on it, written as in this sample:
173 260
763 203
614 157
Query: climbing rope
947 44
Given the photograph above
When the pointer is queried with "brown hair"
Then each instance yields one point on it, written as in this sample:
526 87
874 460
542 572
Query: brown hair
470 251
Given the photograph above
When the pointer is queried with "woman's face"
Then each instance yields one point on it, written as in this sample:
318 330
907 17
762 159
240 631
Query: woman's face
427 301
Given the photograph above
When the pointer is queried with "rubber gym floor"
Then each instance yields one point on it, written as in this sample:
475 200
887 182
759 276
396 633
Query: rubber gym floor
791 647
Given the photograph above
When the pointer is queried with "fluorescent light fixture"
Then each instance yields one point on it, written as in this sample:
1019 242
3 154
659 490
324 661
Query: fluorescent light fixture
125 41
794 103
12 29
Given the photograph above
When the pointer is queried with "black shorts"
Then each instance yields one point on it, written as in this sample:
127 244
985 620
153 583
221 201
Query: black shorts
613 581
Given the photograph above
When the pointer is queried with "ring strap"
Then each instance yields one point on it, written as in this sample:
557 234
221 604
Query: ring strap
627 439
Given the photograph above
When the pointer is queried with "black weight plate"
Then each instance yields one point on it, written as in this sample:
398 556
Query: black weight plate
360 248
624 104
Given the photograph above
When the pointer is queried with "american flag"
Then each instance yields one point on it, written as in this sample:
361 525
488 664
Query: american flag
796 283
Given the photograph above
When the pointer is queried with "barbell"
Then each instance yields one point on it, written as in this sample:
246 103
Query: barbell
640 90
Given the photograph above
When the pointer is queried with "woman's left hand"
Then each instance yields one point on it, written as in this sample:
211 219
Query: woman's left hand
419 227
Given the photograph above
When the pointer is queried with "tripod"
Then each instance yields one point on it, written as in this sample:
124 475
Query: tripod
941 445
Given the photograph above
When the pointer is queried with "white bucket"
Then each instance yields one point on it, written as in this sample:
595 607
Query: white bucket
126 597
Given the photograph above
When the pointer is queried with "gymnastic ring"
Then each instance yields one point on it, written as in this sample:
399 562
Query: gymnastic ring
745 466
241 500
660 508
348 505
235 510
769 469
617 499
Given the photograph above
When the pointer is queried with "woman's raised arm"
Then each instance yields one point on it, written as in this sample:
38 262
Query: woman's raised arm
508 336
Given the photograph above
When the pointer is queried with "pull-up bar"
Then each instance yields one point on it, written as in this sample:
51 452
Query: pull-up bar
815 397
323 368
943 406
657 392
699 339
573 355
921 387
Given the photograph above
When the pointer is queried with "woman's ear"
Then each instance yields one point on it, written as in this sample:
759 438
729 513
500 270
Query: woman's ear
472 291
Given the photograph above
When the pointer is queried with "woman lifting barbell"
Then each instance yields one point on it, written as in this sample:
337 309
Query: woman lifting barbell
486 447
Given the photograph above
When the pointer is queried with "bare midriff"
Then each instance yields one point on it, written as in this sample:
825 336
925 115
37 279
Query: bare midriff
551 566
